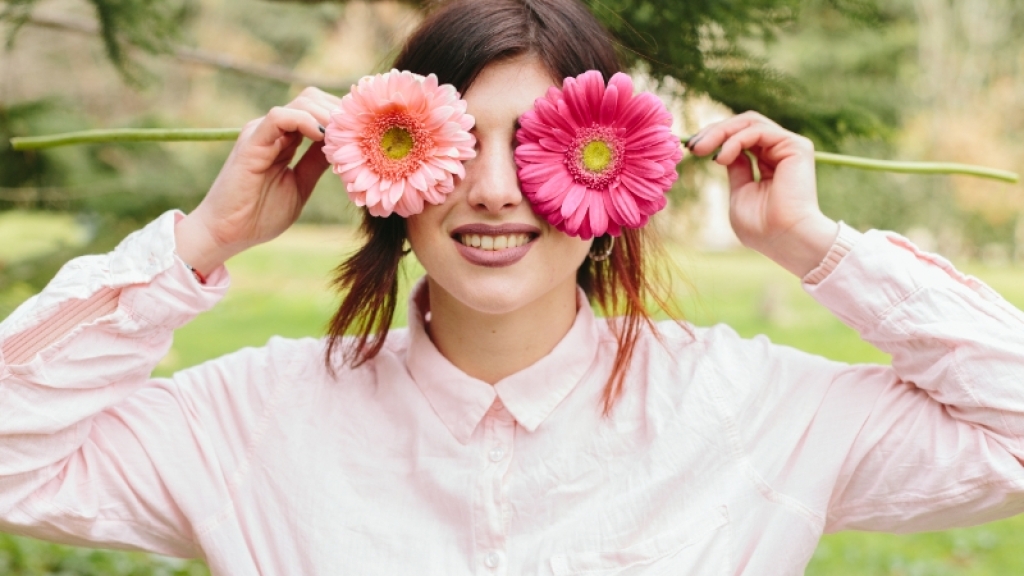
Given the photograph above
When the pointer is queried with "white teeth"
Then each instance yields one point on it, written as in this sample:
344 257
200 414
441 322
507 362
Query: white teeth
485 242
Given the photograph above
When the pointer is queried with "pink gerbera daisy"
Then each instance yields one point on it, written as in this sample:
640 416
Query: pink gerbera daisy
398 141
594 159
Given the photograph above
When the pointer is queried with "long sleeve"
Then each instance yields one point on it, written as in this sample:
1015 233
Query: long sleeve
78 418
944 443
935 440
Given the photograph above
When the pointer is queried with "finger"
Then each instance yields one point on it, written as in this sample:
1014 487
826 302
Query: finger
281 121
712 136
326 99
318 102
289 145
740 172
309 169
759 138
319 109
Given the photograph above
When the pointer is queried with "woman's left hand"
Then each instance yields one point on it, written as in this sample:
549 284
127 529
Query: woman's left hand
779 215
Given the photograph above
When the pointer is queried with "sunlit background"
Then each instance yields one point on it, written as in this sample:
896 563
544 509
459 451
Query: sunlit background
897 79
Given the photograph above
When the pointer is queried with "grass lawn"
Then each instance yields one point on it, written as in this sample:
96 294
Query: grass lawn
283 289
27 234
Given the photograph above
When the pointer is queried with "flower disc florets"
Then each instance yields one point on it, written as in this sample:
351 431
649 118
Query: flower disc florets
398 141
593 159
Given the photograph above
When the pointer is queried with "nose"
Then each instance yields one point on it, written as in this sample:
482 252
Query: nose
492 180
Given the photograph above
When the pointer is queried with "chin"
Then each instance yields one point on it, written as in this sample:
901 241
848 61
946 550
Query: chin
492 296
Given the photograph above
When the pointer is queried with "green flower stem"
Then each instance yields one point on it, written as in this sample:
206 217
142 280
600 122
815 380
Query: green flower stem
210 134
915 167
125 135
892 166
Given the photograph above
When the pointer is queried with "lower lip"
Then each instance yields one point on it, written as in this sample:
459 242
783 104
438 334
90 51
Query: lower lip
493 258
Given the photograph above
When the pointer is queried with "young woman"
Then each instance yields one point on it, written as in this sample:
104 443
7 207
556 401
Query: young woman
507 430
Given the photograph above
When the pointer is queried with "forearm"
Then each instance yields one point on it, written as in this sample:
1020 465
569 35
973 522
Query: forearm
90 338
803 248
949 334
198 248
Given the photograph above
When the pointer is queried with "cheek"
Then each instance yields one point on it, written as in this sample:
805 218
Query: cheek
423 228
425 232
570 252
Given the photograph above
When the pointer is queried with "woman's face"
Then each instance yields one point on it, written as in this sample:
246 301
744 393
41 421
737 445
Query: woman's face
484 247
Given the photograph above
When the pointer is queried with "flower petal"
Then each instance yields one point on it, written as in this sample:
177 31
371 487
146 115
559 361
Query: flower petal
577 195
554 145
598 215
641 187
409 205
539 171
418 181
592 84
609 106
624 86
575 221
643 168
439 116
536 153
649 136
364 180
623 207
396 192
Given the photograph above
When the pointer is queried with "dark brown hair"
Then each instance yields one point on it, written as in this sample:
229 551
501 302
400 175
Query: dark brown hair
456 42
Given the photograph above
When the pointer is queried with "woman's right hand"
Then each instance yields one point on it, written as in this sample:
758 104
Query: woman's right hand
257 195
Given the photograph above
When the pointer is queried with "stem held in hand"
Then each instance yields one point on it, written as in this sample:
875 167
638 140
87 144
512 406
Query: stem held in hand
213 134
125 135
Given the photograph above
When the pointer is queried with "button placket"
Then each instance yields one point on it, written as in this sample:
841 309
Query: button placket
492 525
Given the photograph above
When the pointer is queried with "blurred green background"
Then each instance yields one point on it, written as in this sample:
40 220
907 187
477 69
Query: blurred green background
899 79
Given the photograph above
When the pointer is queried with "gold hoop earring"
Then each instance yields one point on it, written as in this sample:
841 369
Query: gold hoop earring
601 256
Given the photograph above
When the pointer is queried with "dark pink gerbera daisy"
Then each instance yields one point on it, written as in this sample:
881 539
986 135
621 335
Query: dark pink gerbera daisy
593 159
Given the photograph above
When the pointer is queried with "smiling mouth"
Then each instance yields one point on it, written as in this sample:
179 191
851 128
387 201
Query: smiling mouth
494 242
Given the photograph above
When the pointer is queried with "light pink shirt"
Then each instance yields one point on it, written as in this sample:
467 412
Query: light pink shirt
724 455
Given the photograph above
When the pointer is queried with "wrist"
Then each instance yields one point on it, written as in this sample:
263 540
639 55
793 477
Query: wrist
197 248
805 245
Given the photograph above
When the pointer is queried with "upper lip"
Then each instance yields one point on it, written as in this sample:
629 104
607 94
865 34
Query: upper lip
499 230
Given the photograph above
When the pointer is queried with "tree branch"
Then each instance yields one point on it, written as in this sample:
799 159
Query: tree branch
203 57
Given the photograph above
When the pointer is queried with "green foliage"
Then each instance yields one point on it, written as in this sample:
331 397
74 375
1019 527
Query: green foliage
25 168
147 25
28 557
702 43
714 47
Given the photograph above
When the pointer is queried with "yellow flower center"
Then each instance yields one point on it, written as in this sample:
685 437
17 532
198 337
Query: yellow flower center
396 143
597 155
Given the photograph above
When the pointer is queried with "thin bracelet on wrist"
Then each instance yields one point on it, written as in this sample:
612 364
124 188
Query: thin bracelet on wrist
199 277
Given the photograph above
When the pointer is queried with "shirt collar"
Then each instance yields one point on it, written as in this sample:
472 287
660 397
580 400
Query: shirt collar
530 395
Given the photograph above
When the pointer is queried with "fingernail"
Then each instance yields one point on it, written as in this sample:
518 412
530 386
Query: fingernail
693 142
322 129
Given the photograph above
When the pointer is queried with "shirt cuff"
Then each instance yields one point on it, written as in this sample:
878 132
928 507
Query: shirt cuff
842 245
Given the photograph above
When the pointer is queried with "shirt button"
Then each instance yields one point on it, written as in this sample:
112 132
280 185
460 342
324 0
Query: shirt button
496 453
492 560
497 406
